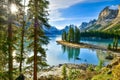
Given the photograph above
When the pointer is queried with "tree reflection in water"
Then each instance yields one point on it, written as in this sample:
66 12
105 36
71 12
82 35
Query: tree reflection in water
73 53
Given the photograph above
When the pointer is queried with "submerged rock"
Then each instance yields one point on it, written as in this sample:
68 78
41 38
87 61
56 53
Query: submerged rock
109 57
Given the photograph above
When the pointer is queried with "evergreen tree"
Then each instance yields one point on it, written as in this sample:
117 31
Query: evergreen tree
77 35
22 39
71 34
116 43
64 72
38 10
3 40
109 46
8 38
64 36
11 39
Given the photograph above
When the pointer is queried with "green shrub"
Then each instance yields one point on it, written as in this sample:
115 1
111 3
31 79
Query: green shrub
90 68
64 72
109 46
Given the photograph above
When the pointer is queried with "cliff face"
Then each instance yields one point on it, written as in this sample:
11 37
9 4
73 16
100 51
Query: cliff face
115 23
108 19
107 15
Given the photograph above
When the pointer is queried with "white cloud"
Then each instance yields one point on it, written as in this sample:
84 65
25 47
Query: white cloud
56 5
61 4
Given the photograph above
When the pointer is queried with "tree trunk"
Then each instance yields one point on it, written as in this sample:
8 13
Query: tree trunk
35 49
22 47
22 41
10 63
35 41
10 50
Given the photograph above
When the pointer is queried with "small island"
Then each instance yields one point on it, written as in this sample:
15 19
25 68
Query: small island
73 36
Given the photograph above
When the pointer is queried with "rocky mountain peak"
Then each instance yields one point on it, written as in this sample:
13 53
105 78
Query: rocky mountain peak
109 18
85 25
107 15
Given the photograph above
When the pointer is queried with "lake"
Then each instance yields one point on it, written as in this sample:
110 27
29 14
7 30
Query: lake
59 54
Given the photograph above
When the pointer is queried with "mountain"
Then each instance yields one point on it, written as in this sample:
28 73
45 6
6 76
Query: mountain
108 19
54 31
68 27
51 31
85 25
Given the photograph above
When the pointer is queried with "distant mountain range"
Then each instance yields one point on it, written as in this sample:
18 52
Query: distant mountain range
51 30
86 25
108 19
54 31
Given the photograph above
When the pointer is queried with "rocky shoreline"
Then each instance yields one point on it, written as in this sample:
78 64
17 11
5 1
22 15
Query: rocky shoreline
57 70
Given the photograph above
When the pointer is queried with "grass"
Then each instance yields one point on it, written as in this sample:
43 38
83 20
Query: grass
102 77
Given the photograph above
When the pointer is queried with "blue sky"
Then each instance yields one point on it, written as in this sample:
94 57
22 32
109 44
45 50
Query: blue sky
65 12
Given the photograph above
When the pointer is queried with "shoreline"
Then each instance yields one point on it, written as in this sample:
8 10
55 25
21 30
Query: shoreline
86 45
80 45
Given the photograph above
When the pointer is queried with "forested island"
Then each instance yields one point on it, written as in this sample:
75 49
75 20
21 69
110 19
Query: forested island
73 36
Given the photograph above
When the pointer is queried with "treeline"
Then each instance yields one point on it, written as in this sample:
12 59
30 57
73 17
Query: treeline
73 35
21 46
100 34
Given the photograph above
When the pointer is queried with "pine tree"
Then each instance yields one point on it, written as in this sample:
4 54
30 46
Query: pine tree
3 40
11 38
64 72
38 10
10 43
64 36
77 35
116 43
71 34
22 40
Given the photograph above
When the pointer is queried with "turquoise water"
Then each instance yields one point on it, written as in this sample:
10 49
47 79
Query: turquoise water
59 54
100 42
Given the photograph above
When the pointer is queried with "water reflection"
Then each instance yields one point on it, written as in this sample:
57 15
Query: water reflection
102 56
73 53
59 54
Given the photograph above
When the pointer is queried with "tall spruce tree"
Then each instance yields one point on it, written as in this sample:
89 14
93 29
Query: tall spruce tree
71 34
64 36
38 9
22 39
3 34
77 35
11 39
